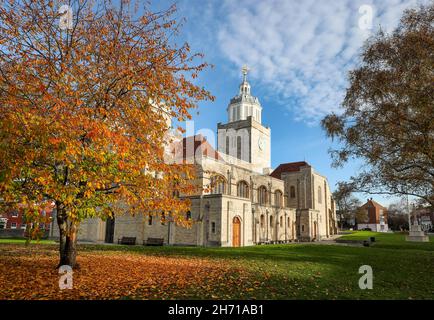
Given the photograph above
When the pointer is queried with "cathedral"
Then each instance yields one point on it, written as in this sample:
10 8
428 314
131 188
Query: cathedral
248 202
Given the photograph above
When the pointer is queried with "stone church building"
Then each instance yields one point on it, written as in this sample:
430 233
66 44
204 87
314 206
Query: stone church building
248 203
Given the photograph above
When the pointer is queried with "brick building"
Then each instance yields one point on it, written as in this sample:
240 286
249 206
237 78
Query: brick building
377 217
14 218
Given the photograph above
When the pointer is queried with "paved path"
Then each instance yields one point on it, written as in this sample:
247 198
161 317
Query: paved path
332 241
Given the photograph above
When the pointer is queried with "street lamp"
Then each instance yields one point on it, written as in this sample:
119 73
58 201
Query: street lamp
409 215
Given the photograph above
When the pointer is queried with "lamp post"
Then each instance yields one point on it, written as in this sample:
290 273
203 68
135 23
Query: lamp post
409 215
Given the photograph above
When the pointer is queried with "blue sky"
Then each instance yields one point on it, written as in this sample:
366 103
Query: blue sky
299 53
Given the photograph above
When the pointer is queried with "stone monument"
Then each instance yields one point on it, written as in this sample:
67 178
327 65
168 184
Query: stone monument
416 234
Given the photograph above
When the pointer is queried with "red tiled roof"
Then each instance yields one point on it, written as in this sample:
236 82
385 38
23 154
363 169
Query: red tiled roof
288 167
375 204
190 145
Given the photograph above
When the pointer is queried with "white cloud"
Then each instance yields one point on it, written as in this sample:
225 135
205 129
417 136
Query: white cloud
301 50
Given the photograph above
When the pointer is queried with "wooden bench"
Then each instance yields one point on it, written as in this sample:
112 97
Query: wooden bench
153 242
264 242
127 240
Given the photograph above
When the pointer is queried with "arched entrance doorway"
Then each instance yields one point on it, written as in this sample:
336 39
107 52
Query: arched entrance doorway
109 230
315 230
236 232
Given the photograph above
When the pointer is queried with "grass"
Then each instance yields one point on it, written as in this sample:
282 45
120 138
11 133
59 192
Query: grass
401 270
390 240
23 241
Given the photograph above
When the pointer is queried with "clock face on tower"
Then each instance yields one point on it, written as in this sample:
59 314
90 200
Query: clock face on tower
261 144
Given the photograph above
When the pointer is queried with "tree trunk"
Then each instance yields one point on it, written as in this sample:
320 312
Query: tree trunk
67 239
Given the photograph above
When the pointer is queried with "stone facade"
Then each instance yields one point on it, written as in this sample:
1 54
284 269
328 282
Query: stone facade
249 204
309 193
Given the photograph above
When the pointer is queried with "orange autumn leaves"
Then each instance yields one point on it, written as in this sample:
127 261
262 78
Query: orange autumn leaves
83 113
28 273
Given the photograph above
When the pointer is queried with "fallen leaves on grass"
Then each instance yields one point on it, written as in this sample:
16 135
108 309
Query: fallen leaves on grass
30 273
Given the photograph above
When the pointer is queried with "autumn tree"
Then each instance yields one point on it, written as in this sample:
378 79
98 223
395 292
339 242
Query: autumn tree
361 216
84 105
346 202
388 111
397 216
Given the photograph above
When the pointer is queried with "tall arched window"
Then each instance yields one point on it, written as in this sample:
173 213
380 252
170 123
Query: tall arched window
218 185
188 215
292 192
278 198
271 221
281 221
242 189
262 195
262 220
319 195
239 147
227 145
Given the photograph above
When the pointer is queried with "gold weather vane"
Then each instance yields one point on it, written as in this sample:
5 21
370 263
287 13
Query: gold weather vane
245 70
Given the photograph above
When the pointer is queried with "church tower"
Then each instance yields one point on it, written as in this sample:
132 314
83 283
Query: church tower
244 137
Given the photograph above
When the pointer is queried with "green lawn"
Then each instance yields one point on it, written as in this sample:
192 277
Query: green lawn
23 241
314 271
390 240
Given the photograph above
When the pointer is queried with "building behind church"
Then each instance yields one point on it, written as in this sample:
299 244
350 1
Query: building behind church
244 201
376 217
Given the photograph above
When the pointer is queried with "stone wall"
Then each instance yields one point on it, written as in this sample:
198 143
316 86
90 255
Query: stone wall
312 192
89 230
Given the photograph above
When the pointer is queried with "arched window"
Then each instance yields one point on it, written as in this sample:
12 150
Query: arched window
262 220
150 220
188 215
292 192
218 184
239 147
271 221
262 195
281 221
278 198
242 189
227 145
319 195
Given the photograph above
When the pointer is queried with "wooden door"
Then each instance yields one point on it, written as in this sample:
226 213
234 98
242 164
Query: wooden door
236 232
109 230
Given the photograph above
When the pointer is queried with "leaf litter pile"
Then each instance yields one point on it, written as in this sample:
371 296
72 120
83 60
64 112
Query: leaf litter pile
30 273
